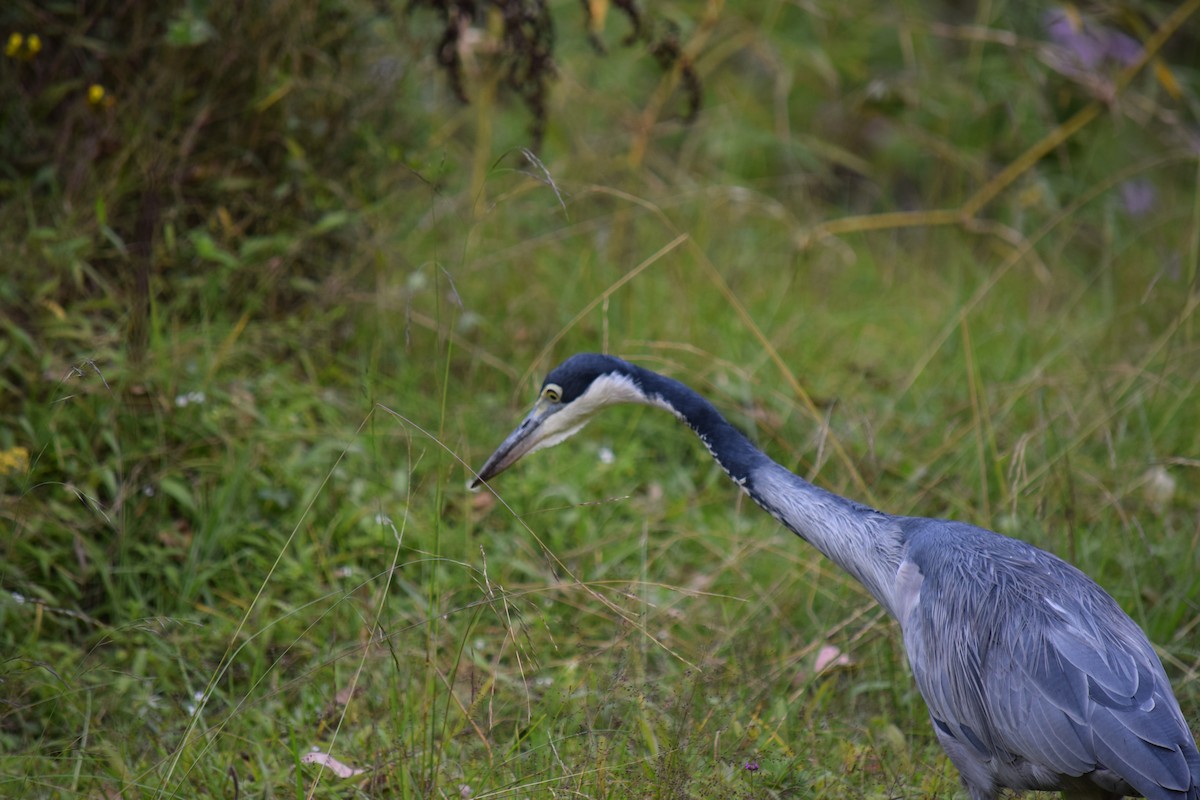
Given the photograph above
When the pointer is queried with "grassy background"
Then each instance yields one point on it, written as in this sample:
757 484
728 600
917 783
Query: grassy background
266 297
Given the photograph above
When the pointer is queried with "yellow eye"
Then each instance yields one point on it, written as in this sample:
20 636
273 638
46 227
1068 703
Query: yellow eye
553 393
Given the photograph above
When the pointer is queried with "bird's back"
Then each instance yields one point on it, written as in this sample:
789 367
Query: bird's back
1034 676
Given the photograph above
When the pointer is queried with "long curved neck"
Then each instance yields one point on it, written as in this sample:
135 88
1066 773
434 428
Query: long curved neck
866 543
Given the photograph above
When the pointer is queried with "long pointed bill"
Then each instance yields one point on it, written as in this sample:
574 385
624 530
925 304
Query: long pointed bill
518 443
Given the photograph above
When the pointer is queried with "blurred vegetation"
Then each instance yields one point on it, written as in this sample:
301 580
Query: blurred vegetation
268 279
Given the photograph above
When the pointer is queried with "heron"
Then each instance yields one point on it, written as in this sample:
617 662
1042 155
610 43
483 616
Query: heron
1034 677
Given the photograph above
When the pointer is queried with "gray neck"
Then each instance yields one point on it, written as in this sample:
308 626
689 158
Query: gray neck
864 542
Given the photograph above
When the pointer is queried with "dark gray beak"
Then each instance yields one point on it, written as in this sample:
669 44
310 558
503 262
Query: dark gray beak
518 443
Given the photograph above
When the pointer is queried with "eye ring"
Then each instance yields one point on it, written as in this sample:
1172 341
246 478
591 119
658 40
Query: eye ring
552 392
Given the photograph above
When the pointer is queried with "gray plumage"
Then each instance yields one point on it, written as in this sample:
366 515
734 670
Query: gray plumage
1033 675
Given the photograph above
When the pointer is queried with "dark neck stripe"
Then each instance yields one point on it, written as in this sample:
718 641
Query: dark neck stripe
729 446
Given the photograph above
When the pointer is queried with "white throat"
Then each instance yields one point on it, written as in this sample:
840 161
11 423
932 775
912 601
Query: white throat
606 390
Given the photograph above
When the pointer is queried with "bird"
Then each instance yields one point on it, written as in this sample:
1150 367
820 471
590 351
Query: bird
1034 677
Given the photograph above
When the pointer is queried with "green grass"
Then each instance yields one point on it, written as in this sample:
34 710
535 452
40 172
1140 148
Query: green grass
243 532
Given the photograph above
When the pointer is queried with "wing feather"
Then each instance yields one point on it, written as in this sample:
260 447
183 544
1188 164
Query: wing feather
1145 766
1109 667
1102 701
1063 688
1027 661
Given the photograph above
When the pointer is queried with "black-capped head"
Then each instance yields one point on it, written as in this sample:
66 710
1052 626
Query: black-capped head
572 392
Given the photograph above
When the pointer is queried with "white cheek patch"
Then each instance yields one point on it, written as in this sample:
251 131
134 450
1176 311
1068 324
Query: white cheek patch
553 433
606 390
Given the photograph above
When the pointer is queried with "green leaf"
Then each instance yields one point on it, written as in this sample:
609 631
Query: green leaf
179 492
188 30
208 250
332 221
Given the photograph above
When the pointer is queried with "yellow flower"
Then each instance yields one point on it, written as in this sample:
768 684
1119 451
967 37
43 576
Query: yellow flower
14 461
99 98
23 47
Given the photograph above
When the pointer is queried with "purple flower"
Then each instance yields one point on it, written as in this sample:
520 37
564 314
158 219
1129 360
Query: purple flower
1074 38
1137 197
1123 49
1088 44
752 766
